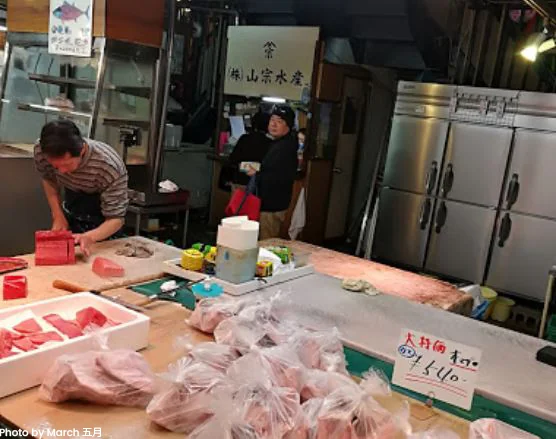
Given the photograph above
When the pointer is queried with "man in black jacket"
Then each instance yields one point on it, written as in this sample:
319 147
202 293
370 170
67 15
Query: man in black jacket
278 169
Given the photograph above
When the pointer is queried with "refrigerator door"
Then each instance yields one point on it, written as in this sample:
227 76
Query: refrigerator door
475 163
402 227
460 240
415 153
530 184
523 252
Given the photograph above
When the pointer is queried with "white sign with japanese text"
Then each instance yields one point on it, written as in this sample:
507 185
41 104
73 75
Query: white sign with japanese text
272 61
441 369
70 27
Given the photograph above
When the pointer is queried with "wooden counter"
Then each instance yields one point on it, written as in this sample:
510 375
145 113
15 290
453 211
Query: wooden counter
388 280
26 411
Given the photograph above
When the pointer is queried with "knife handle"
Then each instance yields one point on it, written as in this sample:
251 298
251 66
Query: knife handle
67 286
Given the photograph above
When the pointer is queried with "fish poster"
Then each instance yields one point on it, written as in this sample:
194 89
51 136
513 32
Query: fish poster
71 27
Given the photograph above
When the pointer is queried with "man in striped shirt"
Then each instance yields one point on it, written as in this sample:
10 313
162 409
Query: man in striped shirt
93 178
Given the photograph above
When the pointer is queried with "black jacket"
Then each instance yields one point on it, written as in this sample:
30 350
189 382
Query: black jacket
277 175
250 147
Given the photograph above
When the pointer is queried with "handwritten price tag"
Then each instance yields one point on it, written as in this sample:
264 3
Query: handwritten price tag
442 369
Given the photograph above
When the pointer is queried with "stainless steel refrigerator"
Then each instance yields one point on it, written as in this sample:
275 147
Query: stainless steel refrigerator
524 247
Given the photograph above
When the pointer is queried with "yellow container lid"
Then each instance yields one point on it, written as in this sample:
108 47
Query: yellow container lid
489 294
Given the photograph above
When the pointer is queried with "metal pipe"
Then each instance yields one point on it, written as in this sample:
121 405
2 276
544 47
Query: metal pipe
155 111
499 58
170 37
215 64
4 78
215 10
469 50
98 88
485 35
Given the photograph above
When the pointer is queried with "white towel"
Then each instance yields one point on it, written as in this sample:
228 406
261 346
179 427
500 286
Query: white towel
298 217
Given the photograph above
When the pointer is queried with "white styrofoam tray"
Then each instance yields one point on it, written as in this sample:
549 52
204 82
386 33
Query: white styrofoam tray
27 369
173 267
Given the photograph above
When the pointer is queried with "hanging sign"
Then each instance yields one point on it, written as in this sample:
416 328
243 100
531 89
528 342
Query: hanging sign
71 27
272 61
439 368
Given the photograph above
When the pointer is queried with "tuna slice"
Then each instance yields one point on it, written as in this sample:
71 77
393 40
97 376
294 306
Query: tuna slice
107 268
66 327
24 344
43 337
7 354
90 316
28 326
6 341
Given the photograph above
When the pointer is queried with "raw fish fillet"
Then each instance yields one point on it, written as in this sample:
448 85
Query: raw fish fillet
66 327
90 315
29 326
107 268
24 344
44 337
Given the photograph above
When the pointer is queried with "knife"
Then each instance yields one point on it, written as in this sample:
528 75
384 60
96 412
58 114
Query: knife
72 288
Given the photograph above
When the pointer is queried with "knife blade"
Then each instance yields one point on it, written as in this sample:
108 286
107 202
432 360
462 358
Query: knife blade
72 288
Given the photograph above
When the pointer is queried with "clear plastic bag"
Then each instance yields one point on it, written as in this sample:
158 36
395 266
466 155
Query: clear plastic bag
349 413
319 383
272 412
107 377
320 350
489 428
218 356
210 312
242 334
276 366
185 402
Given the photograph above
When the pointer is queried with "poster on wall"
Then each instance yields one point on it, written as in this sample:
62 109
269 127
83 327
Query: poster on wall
70 27
274 61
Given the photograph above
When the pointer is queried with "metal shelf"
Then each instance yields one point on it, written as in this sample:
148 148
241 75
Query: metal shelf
45 109
142 92
119 121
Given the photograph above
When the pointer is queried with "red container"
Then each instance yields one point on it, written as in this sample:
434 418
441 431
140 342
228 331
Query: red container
15 287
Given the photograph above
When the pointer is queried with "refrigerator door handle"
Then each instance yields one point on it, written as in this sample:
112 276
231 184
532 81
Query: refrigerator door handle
441 217
448 180
513 191
425 214
430 181
505 229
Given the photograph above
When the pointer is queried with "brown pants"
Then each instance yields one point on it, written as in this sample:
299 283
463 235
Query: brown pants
270 224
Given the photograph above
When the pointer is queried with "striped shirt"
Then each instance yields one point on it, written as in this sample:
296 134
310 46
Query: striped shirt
101 171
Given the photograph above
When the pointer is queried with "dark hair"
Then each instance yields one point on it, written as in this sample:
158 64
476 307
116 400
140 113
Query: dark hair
302 131
60 137
259 121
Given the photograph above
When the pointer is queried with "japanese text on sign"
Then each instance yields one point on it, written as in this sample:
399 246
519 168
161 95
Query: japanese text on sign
439 368
70 28
270 61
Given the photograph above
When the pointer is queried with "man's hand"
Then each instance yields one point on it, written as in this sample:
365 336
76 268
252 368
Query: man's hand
85 241
251 171
60 223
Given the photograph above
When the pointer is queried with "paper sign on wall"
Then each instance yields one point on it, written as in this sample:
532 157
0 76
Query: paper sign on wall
442 369
272 61
71 27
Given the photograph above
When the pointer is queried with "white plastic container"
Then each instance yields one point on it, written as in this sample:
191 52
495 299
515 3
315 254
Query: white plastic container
27 369
238 233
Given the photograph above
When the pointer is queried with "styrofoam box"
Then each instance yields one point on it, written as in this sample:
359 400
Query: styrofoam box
173 267
27 369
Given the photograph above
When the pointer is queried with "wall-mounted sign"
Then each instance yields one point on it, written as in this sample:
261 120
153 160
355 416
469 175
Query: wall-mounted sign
442 369
270 61
71 27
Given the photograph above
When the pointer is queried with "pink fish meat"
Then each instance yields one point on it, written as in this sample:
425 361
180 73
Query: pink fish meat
69 12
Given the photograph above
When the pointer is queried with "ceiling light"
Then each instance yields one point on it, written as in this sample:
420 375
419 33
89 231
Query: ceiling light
531 49
274 100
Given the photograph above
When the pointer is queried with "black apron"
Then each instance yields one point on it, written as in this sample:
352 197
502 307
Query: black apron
83 212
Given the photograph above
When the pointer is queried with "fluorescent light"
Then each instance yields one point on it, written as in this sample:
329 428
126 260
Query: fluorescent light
547 45
274 100
187 10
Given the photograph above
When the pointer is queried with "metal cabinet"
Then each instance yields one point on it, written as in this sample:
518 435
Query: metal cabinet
475 163
528 187
460 240
524 250
415 153
403 226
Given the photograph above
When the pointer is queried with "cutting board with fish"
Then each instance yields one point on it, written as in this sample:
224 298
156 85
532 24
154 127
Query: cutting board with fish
130 253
